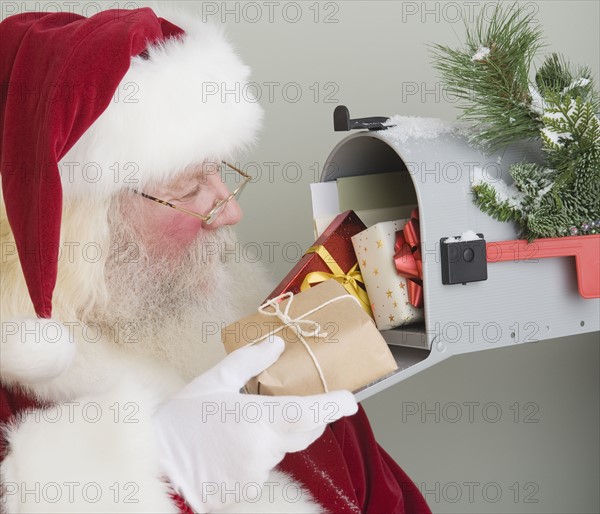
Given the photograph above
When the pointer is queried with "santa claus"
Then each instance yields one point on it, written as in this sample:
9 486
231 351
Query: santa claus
118 271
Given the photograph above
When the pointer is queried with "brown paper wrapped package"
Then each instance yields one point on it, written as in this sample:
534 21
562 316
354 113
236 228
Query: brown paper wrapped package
351 355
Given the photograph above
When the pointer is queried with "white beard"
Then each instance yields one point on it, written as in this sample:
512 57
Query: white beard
172 309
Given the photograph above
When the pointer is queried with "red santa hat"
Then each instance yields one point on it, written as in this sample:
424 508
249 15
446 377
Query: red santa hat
92 106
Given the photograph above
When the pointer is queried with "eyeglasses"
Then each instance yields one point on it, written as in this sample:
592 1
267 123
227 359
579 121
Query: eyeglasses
219 205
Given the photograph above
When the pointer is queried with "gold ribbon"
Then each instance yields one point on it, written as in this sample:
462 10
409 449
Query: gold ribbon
349 280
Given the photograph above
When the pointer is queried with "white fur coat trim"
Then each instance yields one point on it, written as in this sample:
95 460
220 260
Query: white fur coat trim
95 454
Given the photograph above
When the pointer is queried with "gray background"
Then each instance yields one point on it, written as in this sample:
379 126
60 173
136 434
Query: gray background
510 430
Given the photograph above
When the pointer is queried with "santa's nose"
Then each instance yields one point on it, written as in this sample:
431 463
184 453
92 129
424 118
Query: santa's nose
231 212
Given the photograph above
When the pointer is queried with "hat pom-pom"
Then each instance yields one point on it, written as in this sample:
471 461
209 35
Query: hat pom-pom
35 350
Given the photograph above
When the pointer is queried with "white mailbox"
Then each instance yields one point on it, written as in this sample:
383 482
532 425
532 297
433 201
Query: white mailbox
526 296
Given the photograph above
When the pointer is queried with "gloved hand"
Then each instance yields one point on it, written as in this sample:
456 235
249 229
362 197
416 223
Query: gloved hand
214 439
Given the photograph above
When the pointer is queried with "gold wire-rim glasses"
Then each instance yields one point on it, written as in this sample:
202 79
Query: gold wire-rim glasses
219 205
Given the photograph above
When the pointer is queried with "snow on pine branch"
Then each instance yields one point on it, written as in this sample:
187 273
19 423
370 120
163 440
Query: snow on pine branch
580 82
504 193
481 54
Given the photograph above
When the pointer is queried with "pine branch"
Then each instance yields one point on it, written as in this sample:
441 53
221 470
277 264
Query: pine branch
553 76
485 198
491 77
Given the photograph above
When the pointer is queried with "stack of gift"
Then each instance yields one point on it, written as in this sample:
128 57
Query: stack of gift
324 308
390 261
331 343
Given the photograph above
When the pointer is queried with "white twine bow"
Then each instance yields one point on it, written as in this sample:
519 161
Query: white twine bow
295 324
284 317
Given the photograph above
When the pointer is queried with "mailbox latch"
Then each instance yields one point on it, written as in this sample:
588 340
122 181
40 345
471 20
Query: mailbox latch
463 261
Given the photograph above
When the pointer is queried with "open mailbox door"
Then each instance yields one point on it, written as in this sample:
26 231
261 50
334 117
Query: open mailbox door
543 290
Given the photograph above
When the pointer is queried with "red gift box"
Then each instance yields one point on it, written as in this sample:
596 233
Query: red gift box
330 257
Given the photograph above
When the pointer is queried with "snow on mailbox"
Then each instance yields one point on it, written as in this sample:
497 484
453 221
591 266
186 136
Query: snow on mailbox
482 287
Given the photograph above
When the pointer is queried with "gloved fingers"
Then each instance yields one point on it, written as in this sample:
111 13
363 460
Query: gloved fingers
243 364
232 373
305 413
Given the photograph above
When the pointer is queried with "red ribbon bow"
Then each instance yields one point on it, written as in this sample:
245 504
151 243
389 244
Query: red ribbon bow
407 258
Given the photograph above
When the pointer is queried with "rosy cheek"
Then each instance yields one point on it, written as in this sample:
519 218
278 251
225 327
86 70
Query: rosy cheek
180 230
165 231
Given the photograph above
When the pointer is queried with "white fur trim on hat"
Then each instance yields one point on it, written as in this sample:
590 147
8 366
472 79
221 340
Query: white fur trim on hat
187 102
33 350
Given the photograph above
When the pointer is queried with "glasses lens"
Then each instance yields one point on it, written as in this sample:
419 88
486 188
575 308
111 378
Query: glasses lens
239 190
216 211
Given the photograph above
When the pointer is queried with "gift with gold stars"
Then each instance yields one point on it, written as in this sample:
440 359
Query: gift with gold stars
390 262
330 257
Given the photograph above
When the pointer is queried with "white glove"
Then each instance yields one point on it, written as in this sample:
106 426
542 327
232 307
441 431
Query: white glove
214 440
